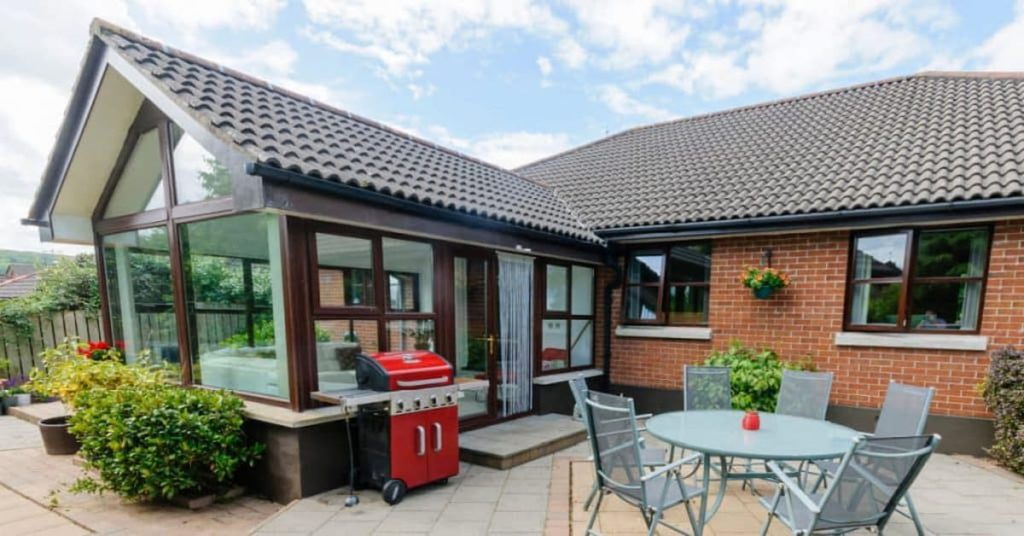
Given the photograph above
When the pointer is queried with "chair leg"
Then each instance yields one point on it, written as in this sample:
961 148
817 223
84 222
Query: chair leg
590 498
913 515
771 511
593 513
654 523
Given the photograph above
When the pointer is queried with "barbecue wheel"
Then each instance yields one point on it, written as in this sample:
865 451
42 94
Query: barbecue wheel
394 491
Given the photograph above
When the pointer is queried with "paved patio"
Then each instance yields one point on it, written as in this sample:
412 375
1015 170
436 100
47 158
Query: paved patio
27 475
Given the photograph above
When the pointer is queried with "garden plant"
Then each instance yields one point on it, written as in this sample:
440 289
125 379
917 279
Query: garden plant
1003 391
755 375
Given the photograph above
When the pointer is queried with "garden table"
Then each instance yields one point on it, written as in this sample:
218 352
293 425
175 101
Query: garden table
717 433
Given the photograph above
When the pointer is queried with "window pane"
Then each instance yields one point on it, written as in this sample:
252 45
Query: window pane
138 274
557 285
582 290
410 335
410 270
582 340
690 263
345 272
235 302
952 253
198 176
875 304
687 305
140 186
645 268
553 354
641 303
945 305
337 344
880 256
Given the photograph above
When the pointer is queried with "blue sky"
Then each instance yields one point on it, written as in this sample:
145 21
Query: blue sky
508 81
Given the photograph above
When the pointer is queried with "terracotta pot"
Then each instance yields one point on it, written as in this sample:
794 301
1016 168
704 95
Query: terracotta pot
57 440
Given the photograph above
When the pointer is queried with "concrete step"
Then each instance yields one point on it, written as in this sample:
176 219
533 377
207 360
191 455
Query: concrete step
511 443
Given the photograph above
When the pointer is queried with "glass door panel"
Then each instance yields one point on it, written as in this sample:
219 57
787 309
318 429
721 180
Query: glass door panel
473 341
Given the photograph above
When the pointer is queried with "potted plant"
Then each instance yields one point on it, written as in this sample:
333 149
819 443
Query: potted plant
763 282
73 368
15 393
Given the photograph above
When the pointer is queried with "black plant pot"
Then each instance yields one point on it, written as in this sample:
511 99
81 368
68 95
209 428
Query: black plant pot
57 440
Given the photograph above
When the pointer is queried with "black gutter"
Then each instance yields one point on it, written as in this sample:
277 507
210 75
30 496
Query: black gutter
294 178
981 208
610 260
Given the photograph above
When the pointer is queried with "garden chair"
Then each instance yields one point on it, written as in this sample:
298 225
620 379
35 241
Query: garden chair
619 470
706 388
904 413
804 394
868 485
648 456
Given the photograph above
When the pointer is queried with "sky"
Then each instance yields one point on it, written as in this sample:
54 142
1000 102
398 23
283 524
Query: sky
507 81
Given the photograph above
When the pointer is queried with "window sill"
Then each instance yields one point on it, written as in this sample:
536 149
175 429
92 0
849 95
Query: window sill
287 418
665 332
970 343
562 377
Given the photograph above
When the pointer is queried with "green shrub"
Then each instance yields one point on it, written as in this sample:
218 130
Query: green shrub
1003 391
755 375
67 373
149 443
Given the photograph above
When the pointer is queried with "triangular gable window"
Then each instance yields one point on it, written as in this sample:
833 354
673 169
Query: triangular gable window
198 175
141 184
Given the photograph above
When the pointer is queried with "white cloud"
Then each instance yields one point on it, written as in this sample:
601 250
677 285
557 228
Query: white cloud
1002 51
192 16
402 34
621 102
571 53
420 91
544 64
635 32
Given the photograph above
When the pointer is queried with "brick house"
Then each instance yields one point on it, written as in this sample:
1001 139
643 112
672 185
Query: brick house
282 236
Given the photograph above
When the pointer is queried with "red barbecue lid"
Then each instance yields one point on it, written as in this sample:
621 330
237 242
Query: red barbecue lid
398 362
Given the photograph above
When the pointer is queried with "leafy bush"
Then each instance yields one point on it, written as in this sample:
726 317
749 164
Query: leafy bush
67 374
160 442
70 284
263 335
1003 391
755 375
754 278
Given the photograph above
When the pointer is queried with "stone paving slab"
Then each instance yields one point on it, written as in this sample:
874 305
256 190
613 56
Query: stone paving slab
18 434
511 443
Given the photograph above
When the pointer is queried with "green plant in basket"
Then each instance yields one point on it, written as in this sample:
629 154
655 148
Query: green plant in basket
158 442
763 281
755 375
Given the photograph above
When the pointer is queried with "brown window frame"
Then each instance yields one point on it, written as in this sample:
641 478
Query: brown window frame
380 312
907 280
542 313
663 285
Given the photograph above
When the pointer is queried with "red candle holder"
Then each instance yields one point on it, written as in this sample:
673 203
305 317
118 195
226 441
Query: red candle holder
751 421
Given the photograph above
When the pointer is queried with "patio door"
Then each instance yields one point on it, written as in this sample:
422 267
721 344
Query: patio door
476 340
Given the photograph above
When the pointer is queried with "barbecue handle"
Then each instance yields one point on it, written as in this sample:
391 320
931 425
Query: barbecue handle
421 439
437 437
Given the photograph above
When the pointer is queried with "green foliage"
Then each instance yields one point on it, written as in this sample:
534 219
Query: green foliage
67 374
755 375
215 179
755 278
11 256
70 284
263 335
160 442
1003 391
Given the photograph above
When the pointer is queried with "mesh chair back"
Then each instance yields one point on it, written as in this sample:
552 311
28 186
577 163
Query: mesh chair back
615 442
904 411
579 389
804 394
872 479
706 388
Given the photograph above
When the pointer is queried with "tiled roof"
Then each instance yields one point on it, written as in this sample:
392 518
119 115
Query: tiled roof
927 138
286 130
18 286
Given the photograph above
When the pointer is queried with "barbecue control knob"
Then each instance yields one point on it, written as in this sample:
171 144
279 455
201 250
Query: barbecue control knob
400 405
417 403
449 398
433 400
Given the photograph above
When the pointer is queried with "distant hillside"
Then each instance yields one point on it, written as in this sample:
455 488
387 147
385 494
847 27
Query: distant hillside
8 256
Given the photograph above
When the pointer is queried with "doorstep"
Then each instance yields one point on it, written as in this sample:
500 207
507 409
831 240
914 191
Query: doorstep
511 443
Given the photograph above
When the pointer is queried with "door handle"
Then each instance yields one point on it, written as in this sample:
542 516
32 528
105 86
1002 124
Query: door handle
437 437
421 441
490 344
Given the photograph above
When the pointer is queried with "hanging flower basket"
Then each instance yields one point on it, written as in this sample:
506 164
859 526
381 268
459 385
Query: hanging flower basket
763 282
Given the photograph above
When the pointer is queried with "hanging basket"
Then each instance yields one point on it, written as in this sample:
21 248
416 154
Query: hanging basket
764 293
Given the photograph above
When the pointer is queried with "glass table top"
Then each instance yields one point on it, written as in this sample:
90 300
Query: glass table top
781 437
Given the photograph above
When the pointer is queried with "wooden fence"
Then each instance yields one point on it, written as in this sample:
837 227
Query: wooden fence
47 331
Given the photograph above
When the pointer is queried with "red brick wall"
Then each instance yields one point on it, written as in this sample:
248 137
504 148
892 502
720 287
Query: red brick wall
802 320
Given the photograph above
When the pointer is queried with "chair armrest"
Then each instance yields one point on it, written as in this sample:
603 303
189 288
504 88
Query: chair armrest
671 466
644 416
793 488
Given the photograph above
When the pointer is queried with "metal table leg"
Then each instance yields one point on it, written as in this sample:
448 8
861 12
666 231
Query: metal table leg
723 482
